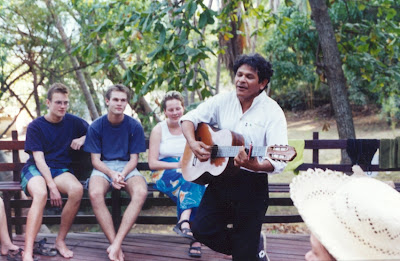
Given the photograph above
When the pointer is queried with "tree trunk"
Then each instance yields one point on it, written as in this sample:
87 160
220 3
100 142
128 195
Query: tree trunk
75 64
218 78
35 91
92 91
332 66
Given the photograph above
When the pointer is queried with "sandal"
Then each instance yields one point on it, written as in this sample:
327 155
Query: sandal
16 255
184 232
197 250
40 249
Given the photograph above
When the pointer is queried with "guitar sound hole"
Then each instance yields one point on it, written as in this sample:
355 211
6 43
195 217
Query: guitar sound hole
214 151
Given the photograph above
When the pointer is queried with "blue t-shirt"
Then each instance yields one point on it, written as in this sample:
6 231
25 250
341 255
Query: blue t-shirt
54 139
115 142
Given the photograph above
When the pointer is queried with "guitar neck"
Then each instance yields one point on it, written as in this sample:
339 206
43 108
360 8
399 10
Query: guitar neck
232 151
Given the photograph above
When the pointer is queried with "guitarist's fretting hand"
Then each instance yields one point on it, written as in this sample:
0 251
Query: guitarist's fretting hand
242 160
201 150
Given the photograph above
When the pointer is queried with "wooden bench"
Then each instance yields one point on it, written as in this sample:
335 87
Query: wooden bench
117 200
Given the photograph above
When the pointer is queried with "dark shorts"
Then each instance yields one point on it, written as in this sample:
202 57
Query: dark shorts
30 171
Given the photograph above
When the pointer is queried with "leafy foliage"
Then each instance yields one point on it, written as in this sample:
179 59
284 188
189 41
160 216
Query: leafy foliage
292 47
367 35
164 37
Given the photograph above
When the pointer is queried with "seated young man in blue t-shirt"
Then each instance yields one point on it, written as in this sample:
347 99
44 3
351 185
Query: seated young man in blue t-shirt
115 141
49 140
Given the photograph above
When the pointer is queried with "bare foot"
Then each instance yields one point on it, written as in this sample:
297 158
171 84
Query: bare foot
5 248
63 250
27 257
115 254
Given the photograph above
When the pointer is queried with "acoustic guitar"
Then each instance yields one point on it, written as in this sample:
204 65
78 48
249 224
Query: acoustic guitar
225 146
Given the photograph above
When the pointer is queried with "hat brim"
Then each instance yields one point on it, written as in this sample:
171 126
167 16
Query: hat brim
338 214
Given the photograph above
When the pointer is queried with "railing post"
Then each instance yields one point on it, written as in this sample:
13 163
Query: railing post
16 177
315 158
15 156
7 195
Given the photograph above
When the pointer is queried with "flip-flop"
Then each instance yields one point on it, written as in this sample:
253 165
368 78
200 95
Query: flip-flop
192 248
184 232
40 249
16 255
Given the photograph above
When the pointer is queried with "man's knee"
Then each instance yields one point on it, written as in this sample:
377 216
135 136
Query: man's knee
75 192
139 192
39 196
96 195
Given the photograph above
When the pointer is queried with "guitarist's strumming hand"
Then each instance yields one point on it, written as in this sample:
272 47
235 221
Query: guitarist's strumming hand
200 150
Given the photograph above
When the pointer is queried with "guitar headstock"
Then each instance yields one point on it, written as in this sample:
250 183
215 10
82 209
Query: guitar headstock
281 152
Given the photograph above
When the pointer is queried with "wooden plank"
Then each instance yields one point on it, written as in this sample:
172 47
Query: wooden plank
10 186
282 219
12 145
156 247
280 201
325 144
11 166
342 167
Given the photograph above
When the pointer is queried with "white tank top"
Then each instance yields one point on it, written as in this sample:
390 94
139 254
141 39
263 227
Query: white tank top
171 145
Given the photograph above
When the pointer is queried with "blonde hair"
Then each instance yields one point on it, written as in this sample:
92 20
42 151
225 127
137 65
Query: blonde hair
172 95
118 88
56 88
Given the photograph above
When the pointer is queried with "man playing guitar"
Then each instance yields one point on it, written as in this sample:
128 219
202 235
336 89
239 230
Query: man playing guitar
231 213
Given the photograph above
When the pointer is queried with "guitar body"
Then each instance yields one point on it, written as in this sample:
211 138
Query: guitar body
194 170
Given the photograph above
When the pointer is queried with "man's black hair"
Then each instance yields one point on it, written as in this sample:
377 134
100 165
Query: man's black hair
258 63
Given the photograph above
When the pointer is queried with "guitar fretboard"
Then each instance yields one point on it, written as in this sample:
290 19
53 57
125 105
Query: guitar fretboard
232 151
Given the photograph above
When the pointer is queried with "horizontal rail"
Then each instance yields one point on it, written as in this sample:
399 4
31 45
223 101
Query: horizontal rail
325 144
153 220
282 219
12 145
342 167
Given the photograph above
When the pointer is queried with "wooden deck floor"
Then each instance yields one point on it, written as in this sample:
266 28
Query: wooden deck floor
154 247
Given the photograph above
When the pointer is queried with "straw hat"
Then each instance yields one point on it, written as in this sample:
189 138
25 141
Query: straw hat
355 218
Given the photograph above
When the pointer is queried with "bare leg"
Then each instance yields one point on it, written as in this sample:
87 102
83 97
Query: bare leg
137 189
186 215
37 189
98 187
67 184
5 240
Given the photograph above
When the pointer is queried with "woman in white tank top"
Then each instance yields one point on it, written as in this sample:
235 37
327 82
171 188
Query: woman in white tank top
166 147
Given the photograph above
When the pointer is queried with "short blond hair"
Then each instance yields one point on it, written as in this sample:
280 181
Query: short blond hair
118 88
172 95
56 88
